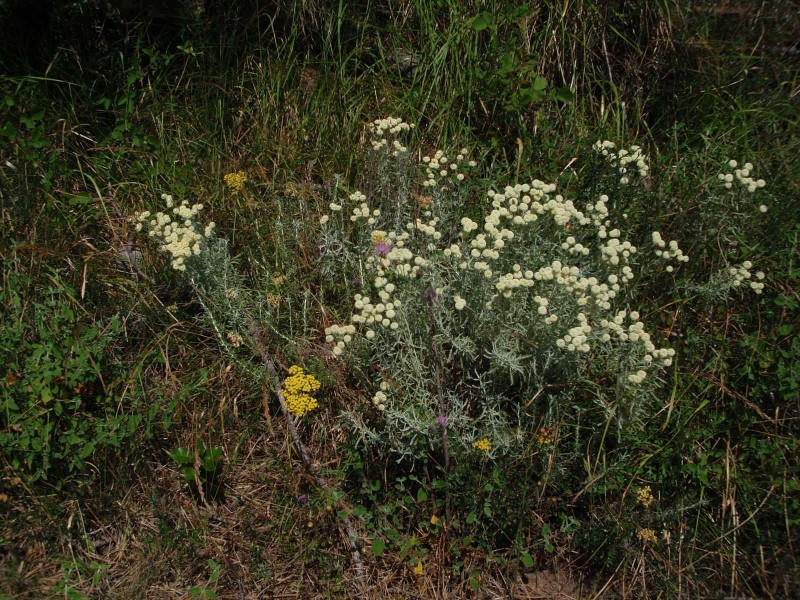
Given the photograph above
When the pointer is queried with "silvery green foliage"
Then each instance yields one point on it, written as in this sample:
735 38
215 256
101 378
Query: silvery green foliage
216 279
720 285
472 329
480 328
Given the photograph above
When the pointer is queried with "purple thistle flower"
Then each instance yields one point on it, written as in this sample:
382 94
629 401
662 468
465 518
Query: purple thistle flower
430 295
382 248
357 282
442 420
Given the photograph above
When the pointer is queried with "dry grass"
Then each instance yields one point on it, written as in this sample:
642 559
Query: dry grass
154 541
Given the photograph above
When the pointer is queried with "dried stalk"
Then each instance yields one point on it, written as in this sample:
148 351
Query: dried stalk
443 411
274 382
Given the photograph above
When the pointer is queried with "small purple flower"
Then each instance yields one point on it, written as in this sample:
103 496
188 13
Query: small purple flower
382 248
442 420
357 282
430 295
302 499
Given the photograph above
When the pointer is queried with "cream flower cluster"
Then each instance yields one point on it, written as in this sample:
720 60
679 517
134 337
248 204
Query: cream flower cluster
614 252
363 211
384 129
379 399
428 227
483 249
514 209
439 166
341 334
628 162
575 340
380 313
522 205
742 274
742 176
468 225
615 328
668 251
178 234
398 261
393 125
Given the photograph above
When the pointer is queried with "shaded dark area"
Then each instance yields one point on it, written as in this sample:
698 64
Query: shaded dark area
35 34
630 50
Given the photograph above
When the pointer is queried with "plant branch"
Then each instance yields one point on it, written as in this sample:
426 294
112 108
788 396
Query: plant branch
273 380
442 412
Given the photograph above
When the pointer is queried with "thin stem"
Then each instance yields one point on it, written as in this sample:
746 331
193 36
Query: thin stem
443 413
274 381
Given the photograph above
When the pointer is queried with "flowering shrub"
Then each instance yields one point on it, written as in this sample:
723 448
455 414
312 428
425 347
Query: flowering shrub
489 325
727 214
477 333
205 261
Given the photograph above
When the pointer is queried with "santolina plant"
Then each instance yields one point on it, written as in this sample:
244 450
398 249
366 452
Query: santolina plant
477 332
480 330
204 259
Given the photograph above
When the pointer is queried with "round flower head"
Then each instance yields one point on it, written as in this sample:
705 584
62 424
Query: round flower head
235 181
297 390
382 248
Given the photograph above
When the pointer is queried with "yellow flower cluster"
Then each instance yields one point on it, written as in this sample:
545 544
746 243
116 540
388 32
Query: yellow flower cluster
644 496
297 390
545 436
424 201
235 181
235 339
483 445
648 536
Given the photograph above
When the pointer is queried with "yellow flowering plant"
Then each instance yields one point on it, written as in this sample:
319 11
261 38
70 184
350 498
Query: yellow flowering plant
644 496
647 535
297 390
483 444
235 181
545 436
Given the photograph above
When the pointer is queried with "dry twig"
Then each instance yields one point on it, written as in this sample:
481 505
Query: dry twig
273 380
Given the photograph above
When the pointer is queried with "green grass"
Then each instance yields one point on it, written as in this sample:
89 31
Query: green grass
88 137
